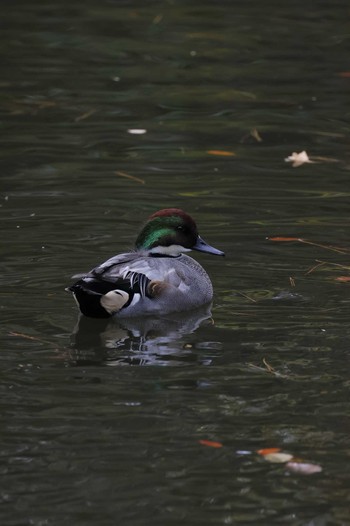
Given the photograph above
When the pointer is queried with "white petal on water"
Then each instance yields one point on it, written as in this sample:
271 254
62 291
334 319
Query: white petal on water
303 468
298 159
137 131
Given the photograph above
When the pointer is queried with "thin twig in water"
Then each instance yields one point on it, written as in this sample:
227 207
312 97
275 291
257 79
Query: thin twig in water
84 116
246 296
321 263
28 337
327 247
345 267
325 159
268 368
132 177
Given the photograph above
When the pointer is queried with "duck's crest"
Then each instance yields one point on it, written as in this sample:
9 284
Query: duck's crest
177 212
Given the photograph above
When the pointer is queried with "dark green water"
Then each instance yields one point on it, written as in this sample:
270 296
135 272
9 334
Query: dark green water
102 427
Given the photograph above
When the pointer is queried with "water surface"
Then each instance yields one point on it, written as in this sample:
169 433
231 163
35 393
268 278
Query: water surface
102 422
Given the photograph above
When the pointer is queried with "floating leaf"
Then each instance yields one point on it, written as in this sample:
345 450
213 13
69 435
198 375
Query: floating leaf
268 450
303 468
210 443
278 458
343 279
298 159
273 454
345 74
223 153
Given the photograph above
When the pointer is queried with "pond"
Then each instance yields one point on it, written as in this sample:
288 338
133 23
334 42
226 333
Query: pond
112 110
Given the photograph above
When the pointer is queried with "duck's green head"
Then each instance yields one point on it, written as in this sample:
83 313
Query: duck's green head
170 232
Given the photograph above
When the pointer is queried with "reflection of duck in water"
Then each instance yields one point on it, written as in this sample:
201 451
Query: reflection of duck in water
156 279
144 341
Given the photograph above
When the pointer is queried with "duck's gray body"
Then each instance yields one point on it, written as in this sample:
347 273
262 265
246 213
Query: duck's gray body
188 286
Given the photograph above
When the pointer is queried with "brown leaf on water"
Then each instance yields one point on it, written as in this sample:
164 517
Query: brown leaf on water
132 177
221 153
343 279
344 74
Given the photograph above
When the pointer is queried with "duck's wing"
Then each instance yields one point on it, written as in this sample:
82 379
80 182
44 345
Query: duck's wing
110 287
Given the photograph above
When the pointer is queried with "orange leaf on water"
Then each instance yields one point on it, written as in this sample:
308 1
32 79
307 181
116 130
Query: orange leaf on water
268 450
223 153
279 238
210 443
343 278
345 74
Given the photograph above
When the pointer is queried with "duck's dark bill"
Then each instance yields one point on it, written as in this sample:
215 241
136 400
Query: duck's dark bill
202 246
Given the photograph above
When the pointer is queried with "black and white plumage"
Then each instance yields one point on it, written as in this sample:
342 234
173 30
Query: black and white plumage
101 293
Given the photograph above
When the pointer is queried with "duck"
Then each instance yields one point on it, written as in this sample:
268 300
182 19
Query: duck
157 278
